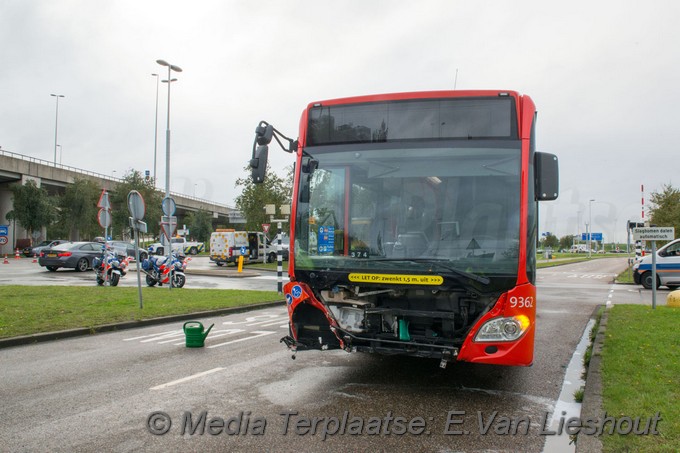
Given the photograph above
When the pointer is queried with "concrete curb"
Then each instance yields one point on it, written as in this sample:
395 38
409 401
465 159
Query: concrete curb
62 334
591 407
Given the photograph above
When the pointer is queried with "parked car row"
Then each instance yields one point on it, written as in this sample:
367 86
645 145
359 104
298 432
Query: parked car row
71 255
125 249
79 255
36 249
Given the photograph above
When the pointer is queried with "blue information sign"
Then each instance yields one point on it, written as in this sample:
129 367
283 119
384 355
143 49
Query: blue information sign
593 236
326 240
4 230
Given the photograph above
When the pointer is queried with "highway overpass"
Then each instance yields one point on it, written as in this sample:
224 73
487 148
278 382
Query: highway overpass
54 178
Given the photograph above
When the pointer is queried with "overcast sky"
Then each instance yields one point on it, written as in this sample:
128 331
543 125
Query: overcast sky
603 74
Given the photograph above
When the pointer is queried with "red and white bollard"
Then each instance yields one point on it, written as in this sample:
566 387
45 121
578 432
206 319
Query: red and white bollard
35 258
6 260
16 255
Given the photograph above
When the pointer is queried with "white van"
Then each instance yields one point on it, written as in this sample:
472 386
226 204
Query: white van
226 245
667 267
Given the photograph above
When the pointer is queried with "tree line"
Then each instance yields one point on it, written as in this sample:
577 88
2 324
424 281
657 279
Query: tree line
74 214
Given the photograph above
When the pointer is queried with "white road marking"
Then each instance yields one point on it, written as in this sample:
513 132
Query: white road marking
255 320
258 333
565 406
269 322
161 337
185 379
147 336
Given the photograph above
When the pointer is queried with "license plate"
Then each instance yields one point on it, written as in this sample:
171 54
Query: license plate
51 255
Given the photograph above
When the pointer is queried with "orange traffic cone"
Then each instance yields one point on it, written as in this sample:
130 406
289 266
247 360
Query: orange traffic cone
6 260
35 258
16 255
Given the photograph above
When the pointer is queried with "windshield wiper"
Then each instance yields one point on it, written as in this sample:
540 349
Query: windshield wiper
440 263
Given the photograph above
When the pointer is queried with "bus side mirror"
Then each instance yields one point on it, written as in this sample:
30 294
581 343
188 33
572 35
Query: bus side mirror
258 164
264 134
547 173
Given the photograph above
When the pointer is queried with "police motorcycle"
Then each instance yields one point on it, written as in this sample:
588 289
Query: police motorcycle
109 267
158 270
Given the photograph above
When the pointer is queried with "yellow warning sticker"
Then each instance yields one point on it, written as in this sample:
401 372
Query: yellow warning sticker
398 279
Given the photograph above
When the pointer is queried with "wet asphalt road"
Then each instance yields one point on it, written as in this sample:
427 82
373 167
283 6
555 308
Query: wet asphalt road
99 393
25 272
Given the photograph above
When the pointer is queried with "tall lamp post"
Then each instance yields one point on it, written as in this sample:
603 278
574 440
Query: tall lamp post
56 125
590 226
171 68
155 133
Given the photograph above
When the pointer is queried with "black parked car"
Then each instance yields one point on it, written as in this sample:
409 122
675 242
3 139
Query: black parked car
124 249
74 255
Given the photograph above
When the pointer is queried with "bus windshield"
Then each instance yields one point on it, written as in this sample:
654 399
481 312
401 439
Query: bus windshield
406 206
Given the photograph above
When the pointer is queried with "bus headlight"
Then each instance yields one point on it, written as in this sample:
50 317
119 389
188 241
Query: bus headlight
503 329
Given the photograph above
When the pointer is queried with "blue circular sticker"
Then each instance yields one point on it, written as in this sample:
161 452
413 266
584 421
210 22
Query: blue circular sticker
296 291
243 250
289 299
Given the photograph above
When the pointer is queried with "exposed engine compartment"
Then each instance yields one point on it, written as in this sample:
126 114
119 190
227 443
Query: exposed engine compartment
415 321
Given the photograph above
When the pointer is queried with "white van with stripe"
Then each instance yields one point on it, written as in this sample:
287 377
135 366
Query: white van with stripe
667 267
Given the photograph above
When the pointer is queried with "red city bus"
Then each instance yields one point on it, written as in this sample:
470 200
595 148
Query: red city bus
414 225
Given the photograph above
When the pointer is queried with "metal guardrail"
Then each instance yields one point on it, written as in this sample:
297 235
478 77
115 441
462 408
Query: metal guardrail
47 163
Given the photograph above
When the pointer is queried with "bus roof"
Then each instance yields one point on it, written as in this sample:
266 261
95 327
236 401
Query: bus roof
415 95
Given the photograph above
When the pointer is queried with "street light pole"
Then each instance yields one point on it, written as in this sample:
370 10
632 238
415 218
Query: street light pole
171 68
56 125
155 132
590 226
167 131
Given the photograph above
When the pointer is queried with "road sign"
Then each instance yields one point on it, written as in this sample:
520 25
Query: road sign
4 230
168 227
654 234
136 205
593 236
104 200
3 240
169 206
104 218
265 227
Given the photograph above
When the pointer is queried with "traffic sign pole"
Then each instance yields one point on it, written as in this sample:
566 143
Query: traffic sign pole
653 275
654 234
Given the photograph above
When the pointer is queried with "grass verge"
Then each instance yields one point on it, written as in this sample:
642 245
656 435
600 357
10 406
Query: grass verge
26 310
625 276
640 369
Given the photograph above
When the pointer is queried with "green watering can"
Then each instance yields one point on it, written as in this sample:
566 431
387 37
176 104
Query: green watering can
195 334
